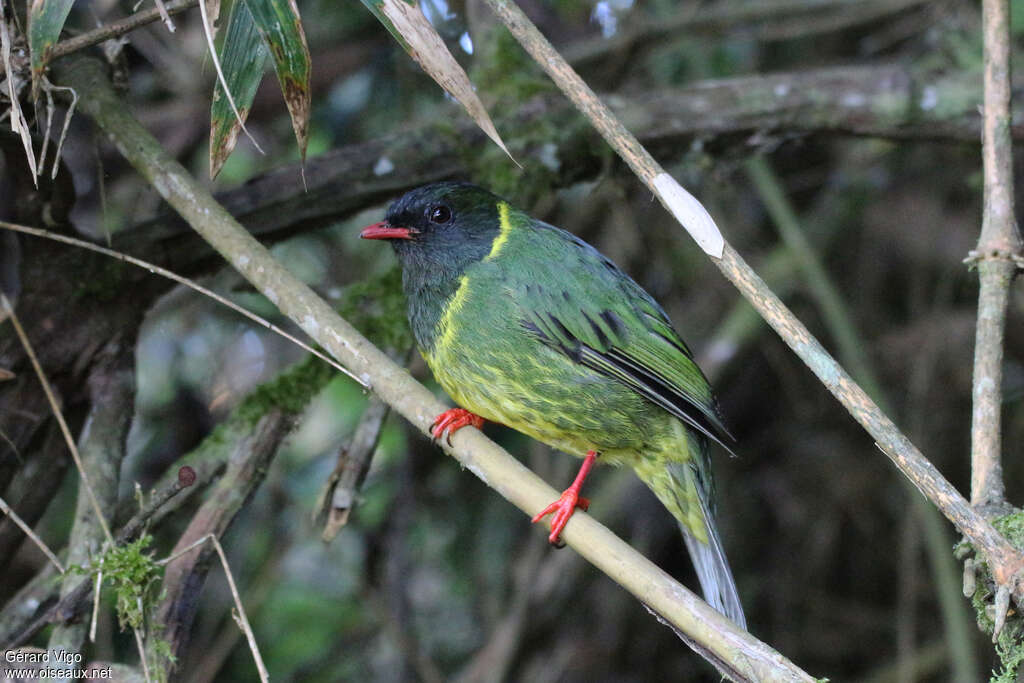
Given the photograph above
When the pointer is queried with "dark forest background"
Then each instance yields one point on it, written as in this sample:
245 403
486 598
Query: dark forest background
852 124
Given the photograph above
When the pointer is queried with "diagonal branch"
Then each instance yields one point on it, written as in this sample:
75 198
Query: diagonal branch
119 28
1004 559
190 561
747 657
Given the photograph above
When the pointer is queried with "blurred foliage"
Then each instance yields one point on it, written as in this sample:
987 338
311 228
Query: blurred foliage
436 577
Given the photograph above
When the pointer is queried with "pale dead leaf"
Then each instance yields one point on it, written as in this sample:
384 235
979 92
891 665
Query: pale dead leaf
19 125
427 48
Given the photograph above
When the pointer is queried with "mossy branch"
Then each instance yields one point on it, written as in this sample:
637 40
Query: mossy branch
1004 559
735 651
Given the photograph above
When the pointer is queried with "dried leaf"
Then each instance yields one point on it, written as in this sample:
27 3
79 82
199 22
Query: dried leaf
213 11
242 57
406 22
19 125
280 26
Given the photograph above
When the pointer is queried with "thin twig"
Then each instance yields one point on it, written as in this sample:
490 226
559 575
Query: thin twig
49 88
70 605
97 587
163 272
6 509
58 414
164 16
269 577
1003 557
341 491
142 650
118 28
160 497
998 256
240 619
38 484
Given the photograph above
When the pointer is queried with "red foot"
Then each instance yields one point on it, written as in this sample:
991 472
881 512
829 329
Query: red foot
568 502
451 421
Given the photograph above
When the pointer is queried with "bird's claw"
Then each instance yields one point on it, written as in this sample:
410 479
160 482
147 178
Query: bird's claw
562 509
451 421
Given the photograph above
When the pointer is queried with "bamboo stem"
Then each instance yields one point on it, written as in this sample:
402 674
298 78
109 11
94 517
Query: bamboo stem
1004 559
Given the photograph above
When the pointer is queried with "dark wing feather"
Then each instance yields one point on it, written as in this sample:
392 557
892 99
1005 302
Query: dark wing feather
581 304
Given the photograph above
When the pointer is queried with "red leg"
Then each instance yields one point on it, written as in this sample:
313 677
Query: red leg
568 502
451 421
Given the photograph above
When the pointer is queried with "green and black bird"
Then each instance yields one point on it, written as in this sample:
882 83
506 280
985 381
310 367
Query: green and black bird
527 325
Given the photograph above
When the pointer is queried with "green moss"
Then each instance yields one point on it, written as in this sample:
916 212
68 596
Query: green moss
134 576
289 392
1012 527
376 307
1010 642
504 71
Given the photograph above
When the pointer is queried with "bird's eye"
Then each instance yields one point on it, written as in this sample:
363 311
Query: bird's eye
440 214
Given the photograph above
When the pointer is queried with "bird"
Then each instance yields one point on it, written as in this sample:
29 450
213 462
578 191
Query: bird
526 325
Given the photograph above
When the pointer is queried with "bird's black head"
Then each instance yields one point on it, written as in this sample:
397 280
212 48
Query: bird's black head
438 230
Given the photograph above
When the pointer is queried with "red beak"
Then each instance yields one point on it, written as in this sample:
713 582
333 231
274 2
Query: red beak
385 231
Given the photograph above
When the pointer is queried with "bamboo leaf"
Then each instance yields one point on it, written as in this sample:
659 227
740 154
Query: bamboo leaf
208 32
242 57
407 24
280 26
45 22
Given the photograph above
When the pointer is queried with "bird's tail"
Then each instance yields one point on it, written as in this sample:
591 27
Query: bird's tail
684 488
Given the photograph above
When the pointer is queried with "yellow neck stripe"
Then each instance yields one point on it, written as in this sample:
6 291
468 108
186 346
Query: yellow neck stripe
506 228
445 327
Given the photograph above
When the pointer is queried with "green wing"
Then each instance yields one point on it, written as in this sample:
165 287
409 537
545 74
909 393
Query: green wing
577 301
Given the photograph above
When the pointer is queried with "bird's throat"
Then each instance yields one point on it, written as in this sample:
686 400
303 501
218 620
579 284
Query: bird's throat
431 306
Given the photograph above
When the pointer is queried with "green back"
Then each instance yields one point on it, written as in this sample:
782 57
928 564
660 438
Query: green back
573 298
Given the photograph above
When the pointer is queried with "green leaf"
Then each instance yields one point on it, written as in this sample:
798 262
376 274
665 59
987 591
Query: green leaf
45 21
280 26
242 57
407 24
